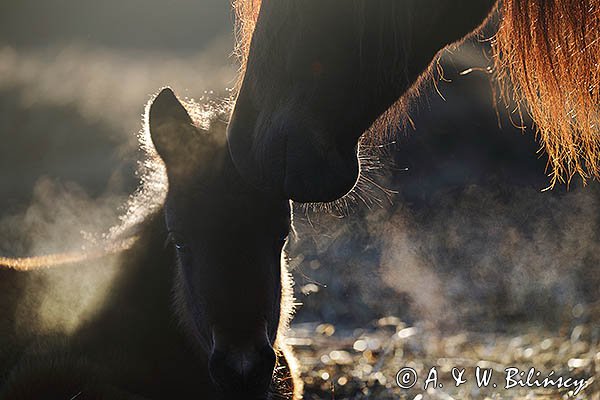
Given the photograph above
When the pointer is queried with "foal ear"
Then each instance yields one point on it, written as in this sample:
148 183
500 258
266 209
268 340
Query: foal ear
172 130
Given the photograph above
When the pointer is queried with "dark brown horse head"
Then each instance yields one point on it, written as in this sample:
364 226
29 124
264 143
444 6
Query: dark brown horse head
320 72
228 238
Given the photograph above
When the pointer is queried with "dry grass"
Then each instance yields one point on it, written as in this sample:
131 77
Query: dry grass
363 364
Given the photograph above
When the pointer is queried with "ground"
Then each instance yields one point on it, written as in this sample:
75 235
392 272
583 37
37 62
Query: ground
364 364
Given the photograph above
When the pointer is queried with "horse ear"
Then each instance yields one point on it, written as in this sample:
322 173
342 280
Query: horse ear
172 130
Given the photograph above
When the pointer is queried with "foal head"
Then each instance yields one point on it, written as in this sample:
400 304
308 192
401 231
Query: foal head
228 239
320 72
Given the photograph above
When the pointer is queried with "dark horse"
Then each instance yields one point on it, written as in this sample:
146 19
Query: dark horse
202 317
317 74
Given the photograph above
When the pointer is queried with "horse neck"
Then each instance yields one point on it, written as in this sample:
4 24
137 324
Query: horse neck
435 24
399 40
457 17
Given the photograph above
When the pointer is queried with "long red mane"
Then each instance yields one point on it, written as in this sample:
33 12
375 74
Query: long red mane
549 52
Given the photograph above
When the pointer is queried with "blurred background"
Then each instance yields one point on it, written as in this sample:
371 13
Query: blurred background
467 242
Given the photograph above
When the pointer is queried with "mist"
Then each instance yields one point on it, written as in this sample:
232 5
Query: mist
461 239
72 96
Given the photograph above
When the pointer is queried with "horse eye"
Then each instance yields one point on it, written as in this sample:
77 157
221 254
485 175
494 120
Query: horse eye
177 241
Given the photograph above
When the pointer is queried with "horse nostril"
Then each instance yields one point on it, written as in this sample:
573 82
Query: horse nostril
243 371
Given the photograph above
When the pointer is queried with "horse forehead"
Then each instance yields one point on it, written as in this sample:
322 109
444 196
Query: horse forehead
225 207
229 278
241 231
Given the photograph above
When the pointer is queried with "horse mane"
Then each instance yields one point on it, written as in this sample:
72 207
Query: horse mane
146 201
547 52
246 15
58 259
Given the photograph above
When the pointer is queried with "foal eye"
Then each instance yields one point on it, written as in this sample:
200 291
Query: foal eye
177 241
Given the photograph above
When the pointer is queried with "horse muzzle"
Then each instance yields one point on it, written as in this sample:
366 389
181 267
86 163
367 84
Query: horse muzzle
243 372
